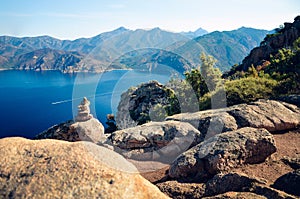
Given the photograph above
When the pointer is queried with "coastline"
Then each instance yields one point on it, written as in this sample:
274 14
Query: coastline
4 69
70 72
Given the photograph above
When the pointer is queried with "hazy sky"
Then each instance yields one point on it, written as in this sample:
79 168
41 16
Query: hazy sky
71 19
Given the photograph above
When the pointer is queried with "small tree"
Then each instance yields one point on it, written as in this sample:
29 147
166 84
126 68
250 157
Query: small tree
211 75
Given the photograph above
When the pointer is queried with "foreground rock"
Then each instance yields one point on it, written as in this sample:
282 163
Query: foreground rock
269 114
223 152
291 99
58 169
222 183
175 189
156 140
236 195
289 183
294 163
85 127
227 185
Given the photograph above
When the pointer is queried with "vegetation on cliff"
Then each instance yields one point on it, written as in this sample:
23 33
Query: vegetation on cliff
274 76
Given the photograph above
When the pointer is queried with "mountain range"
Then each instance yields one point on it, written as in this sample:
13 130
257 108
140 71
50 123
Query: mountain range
123 48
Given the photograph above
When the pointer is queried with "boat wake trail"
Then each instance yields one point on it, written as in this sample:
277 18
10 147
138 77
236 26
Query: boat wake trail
79 98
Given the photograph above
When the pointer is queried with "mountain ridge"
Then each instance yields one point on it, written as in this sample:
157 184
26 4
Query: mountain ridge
103 49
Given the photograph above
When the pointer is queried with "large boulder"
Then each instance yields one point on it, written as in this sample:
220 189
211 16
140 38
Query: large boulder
223 152
210 122
84 128
150 101
156 140
269 114
59 169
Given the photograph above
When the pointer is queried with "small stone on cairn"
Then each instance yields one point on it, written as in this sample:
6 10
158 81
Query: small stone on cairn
84 111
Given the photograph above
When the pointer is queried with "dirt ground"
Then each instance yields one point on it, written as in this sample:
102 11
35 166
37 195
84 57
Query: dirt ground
288 145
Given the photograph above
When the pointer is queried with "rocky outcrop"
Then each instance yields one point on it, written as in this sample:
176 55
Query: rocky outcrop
123 118
148 102
269 114
289 183
284 38
60 132
156 140
222 153
58 169
84 128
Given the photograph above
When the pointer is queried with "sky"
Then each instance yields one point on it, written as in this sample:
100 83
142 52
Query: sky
72 19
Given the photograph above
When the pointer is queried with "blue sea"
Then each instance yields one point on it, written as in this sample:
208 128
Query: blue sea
31 102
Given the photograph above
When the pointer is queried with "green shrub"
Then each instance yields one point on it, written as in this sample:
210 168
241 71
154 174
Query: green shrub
249 89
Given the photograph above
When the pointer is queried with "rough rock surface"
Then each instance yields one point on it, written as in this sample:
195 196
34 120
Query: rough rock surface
269 114
269 192
177 190
58 169
227 185
222 183
236 195
85 127
209 122
292 162
289 183
156 140
265 173
123 118
137 103
223 152
222 186
291 99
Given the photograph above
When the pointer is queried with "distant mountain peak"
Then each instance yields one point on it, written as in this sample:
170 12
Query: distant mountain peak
156 28
121 28
193 34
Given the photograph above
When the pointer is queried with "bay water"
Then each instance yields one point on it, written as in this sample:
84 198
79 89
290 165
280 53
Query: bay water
31 101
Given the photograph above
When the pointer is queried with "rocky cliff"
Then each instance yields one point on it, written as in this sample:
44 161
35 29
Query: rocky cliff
282 38
148 102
